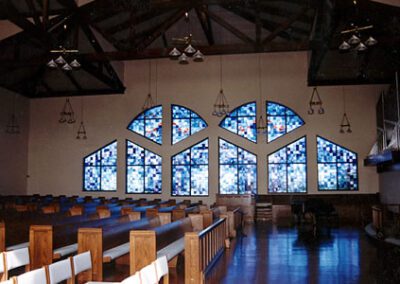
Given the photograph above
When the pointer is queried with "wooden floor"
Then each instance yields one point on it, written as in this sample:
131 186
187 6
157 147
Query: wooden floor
269 254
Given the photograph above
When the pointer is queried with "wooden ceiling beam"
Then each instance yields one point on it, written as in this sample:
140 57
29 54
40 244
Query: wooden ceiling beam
268 8
33 11
239 34
205 23
284 26
73 80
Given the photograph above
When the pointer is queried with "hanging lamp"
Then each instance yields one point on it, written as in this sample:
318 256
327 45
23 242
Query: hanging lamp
67 113
149 102
81 134
345 123
12 126
315 101
221 106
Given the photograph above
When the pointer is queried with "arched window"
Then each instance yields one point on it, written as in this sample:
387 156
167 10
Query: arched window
287 168
185 122
143 170
237 169
242 121
190 171
100 169
149 124
337 166
281 120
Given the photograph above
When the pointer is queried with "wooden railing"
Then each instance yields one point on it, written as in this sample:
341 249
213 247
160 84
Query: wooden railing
202 249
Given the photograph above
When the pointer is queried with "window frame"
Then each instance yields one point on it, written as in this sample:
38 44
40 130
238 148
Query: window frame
144 136
337 176
237 127
143 166
101 166
190 170
237 166
287 164
190 123
286 132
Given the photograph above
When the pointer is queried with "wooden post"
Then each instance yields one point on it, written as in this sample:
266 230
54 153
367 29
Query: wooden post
165 218
143 249
91 239
125 210
151 212
40 246
2 237
192 259
178 214
207 218
134 216
103 213
197 222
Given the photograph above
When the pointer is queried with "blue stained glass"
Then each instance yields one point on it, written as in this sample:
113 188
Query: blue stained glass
190 171
237 169
281 120
149 124
185 122
100 169
337 166
287 170
143 170
242 121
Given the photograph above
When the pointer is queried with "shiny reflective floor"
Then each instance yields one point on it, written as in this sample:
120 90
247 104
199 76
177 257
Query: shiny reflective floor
269 254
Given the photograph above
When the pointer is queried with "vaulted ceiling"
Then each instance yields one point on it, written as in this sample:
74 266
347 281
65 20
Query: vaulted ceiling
106 31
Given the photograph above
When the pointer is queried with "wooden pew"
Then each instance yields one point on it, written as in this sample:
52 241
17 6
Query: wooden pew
108 243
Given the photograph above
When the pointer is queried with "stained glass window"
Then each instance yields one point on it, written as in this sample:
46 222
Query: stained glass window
237 169
100 169
337 167
287 168
281 120
242 121
149 124
190 171
143 170
185 123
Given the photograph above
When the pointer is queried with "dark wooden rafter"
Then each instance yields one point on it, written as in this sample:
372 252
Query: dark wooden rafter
205 23
284 26
269 8
164 40
258 24
45 14
71 78
220 21
33 11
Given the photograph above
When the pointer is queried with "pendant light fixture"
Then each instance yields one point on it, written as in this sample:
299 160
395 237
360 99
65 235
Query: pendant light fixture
345 124
315 101
12 126
221 106
149 102
261 125
67 113
81 134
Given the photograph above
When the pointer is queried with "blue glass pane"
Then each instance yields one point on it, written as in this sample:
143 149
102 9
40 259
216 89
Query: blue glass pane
277 178
197 125
137 126
326 151
181 180
199 153
281 120
279 157
153 130
108 178
247 179
92 178
297 178
152 159
185 123
93 160
149 124
199 180
247 128
182 158
296 152
134 154
155 112
109 155
180 130
293 122
276 127
245 157
228 153
134 180
242 121
275 109
345 156
153 179
228 176
347 177
180 112
327 176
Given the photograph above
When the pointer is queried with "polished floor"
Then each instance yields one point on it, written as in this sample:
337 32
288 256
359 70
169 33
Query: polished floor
269 254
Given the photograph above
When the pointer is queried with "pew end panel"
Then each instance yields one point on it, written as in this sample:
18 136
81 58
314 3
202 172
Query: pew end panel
133 216
151 212
91 239
2 237
40 246
165 217
197 221
178 213
142 243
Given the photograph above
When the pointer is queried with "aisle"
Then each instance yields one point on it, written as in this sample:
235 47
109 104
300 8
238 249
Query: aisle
278 255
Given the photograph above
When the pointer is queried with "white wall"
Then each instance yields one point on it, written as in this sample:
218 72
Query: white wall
13 147
55 156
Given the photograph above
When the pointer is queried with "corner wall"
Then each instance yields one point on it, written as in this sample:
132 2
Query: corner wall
55 156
